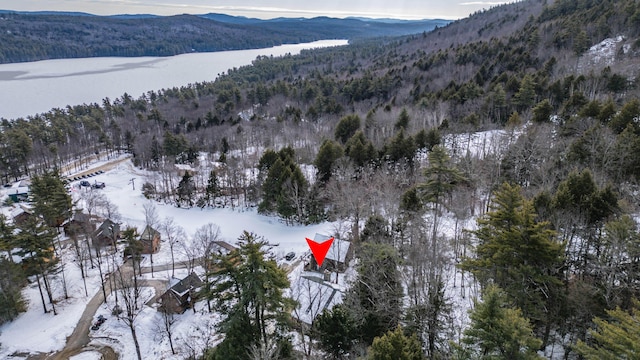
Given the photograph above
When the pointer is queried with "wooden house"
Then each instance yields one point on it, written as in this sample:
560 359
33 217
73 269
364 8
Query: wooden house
338 256
150 240
107 233
20 214
80 224
182 295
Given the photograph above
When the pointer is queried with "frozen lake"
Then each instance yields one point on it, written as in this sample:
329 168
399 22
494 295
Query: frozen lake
36 87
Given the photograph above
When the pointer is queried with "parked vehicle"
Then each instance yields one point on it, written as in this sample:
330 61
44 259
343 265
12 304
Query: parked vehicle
98 185
290 256
85 183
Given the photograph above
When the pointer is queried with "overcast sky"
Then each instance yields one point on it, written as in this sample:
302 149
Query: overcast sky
265 9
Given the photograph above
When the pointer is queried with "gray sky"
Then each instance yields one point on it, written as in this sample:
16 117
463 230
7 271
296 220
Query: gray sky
265 9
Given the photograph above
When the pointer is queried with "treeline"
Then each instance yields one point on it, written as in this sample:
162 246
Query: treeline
31 37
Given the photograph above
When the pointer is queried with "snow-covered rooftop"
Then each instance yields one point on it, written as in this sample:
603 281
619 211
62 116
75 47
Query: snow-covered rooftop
314 296
338 250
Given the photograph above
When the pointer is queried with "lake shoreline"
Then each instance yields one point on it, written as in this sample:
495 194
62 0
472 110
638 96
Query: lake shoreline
30 88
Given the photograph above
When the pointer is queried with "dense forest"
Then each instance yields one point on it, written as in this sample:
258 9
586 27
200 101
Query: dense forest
545 215
33 36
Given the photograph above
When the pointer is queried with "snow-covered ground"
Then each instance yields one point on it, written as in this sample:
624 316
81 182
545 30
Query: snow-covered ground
479 144
603 53
195 331
34 331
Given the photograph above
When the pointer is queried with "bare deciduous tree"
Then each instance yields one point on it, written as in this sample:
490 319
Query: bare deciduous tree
168 319
132 301
151 220
173 233
204 240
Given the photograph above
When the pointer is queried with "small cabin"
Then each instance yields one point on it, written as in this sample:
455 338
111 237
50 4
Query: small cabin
20 214
181 296
338 256
150 240
19 192
107 233
80 224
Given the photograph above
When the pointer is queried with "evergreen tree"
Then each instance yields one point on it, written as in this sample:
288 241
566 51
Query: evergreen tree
156 153
428 139
526 95
277 174
498 331
441 178
512 246
185 190
542 111
12 280
375 299
336 331
401 148
617 337
267 159
347 127
7 237
376 230
248 292
403 120
514 120
395 345
35 241
50 198
627 117
285 187
327 155
359 149
410 201
212 190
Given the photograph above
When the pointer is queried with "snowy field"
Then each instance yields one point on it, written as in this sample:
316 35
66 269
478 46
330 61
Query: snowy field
231 223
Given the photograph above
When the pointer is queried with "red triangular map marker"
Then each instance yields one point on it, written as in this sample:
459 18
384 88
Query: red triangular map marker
319 250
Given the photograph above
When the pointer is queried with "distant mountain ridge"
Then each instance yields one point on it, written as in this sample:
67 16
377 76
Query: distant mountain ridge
32 36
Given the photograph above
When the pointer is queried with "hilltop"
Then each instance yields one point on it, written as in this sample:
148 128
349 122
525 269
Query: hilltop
50 35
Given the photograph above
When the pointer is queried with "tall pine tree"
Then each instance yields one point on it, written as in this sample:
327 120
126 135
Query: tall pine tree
249 293
617 337
498 331
518 254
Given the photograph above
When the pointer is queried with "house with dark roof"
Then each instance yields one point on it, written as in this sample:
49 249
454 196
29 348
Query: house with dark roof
79 224
182 295
150 240
107 233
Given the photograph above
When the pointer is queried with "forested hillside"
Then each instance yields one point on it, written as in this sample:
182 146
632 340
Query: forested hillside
40 36
501 148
